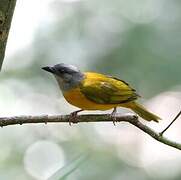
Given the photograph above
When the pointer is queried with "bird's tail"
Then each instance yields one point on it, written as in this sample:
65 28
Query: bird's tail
142 112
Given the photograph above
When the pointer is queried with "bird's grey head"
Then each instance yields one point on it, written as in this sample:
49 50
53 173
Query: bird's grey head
68 76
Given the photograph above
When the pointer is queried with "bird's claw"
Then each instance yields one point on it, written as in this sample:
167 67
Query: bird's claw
73 117
113 116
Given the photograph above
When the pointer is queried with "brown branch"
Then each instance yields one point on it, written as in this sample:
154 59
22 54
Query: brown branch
132 119
176 117
6 14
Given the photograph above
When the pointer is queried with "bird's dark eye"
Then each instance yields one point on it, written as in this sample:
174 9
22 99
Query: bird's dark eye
61 70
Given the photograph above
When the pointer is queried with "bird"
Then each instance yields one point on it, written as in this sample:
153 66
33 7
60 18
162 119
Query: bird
97 91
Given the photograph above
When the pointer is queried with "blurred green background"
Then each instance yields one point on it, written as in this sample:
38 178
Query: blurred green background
137 41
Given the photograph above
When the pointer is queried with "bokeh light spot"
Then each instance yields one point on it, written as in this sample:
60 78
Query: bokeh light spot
43 158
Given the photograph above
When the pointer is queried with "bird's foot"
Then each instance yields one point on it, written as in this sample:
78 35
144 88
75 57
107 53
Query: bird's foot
113 116
73 117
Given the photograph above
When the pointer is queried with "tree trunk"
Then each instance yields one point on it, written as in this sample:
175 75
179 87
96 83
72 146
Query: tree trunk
6 14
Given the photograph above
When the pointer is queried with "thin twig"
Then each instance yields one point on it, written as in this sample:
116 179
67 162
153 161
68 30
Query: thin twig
176 117
132 119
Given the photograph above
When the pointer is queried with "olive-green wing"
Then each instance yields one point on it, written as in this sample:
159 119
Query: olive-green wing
108 90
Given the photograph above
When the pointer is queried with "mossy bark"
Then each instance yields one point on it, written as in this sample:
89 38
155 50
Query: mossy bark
6 14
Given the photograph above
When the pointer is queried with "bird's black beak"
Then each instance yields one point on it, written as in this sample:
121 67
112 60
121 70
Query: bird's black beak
49 69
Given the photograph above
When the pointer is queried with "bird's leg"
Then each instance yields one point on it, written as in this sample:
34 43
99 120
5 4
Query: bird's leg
73 116
113 115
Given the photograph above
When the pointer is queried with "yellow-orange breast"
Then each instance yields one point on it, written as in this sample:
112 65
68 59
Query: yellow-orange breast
77 98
